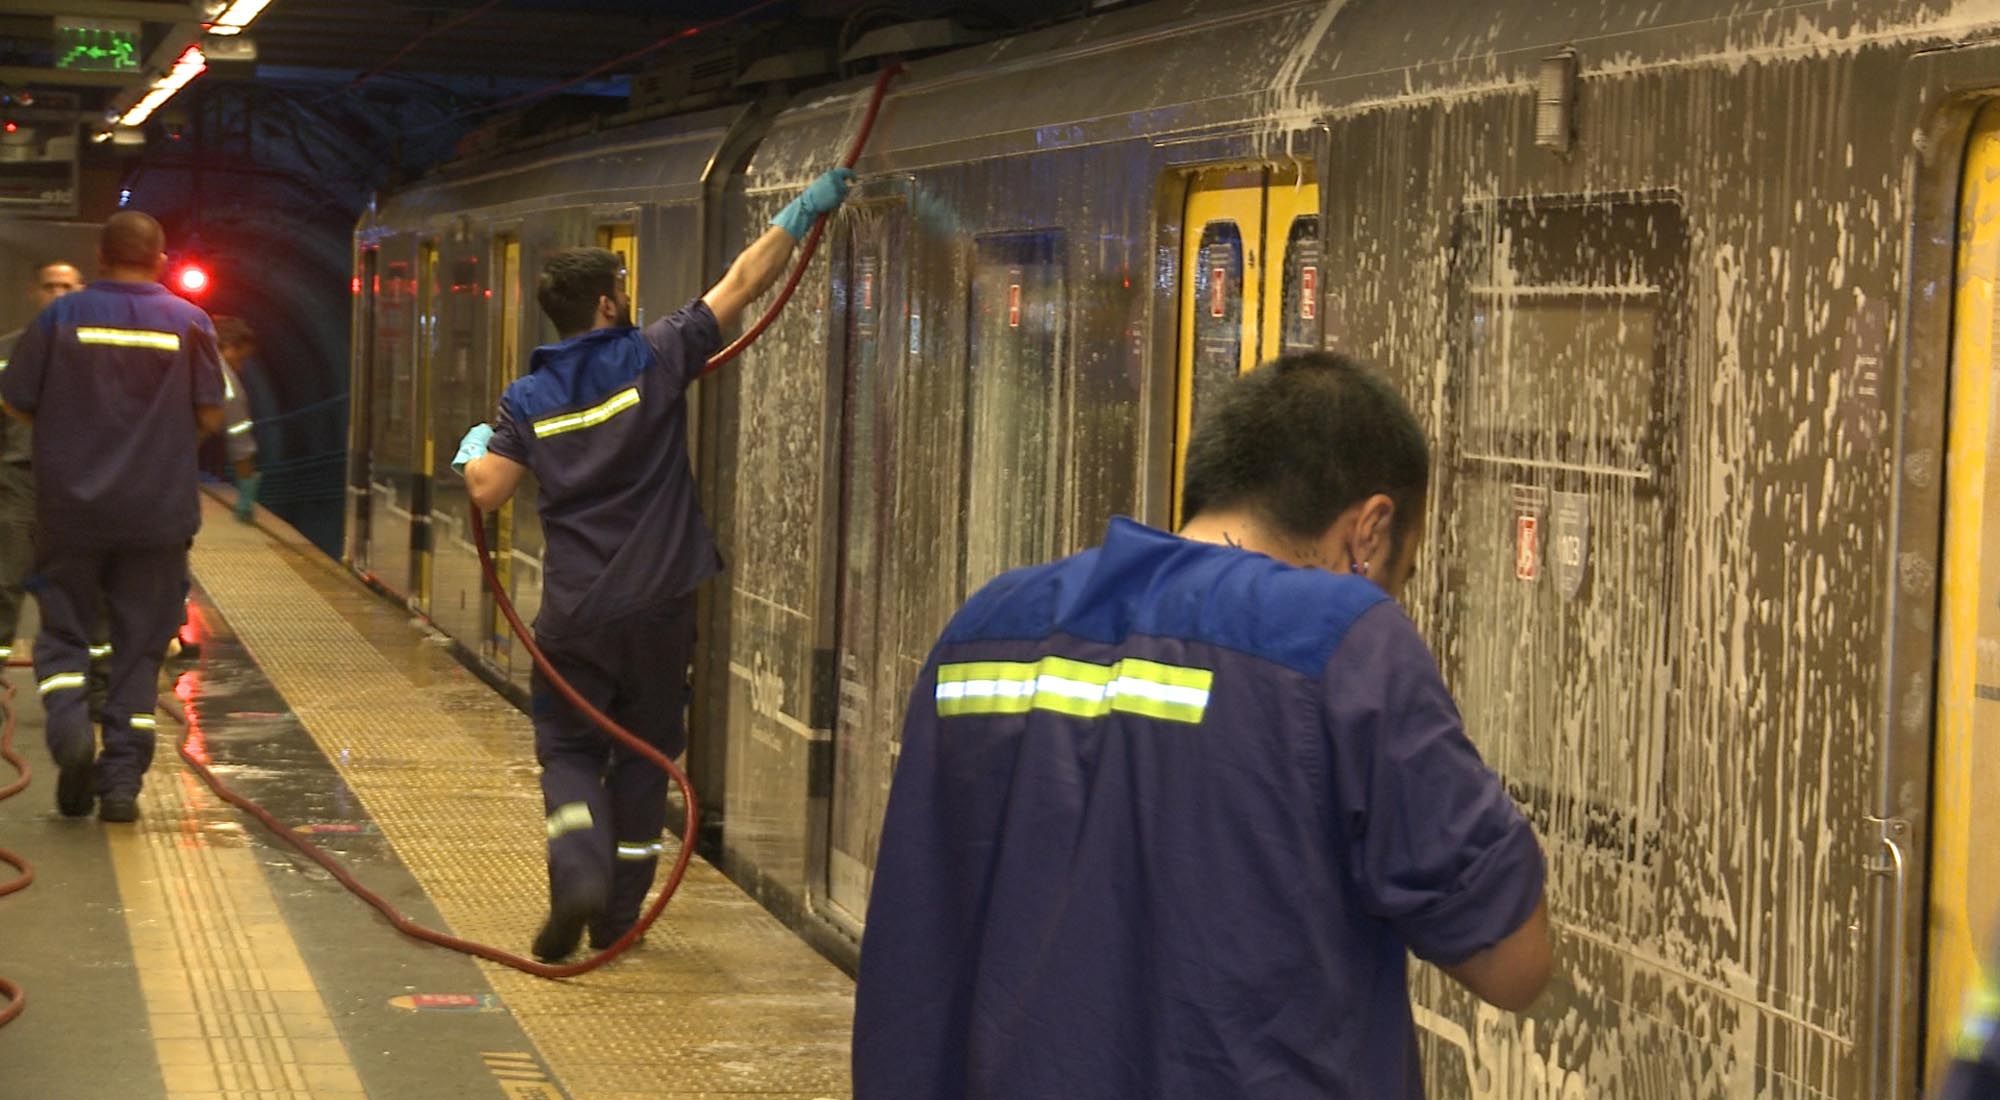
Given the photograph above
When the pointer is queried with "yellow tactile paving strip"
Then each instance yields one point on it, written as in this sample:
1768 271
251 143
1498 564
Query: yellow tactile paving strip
721 1000
234 1011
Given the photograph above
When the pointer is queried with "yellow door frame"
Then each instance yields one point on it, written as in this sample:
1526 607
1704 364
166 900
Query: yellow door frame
1965 905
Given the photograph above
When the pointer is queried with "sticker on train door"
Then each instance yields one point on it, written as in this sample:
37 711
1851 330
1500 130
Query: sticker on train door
1527 549
1218 292
1014 305
1308 293
1569 535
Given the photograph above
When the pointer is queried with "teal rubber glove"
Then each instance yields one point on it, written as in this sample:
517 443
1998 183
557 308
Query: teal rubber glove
246 496
823 197
472 446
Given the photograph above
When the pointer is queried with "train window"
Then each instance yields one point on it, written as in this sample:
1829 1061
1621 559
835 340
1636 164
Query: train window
1558 528
1218 314
1019 319
396 345
1300 326
624 240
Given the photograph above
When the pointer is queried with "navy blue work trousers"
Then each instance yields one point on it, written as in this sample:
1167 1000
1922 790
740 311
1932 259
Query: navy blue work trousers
606 805
139 590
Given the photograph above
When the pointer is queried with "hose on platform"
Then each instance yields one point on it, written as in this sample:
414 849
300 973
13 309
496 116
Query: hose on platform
16 999
619 733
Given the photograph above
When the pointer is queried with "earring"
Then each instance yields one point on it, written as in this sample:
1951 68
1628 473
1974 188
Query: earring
1360 568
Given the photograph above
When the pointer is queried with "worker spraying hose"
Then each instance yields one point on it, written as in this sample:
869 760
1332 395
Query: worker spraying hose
601 420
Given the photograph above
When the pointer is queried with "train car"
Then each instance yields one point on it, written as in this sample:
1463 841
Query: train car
1696 300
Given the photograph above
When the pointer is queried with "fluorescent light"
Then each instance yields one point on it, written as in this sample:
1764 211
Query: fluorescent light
238 16
189 65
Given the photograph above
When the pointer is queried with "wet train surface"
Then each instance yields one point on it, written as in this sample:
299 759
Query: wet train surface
1694 297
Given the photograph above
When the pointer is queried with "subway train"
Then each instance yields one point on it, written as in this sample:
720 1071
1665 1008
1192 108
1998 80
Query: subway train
1695 297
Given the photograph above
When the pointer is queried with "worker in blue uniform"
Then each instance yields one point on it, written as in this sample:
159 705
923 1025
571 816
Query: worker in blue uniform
120 380
1168 814
601 419
237 342
17 478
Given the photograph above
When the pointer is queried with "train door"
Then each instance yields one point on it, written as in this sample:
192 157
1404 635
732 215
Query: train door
1249 285
505 366
872 282
1964 891
360 423
426 465
391 465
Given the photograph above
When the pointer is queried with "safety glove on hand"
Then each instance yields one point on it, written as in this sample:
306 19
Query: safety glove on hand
246 495
472 446
823 197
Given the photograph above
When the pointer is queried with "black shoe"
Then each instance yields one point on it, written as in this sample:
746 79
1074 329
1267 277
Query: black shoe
558 937
73 793
601 939
118 809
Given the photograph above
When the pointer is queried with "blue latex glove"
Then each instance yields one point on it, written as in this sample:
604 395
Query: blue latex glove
823 197
246 495
471 447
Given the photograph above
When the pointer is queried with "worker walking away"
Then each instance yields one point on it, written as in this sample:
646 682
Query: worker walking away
17 479
601 419
1168 814
237 342
120 379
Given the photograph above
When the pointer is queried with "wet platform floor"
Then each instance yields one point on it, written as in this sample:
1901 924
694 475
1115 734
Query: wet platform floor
191 956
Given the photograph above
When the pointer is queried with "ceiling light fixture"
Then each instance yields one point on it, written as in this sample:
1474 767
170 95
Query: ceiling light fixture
238 16
189 65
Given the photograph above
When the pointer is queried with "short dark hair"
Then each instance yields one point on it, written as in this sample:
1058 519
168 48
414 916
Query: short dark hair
131 239
233 330
572 281
1302 439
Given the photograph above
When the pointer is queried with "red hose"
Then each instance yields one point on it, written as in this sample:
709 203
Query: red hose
630 740
16 1000
751 334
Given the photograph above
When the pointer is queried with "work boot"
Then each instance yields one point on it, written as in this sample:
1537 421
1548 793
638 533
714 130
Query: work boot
567 918
118 808
73 789
601 938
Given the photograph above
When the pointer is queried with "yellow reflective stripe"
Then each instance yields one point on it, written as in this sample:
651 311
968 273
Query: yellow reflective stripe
568 819
99 652
144 722
240 427
640 851
588 418
1076 688
130 338
61 681
228 387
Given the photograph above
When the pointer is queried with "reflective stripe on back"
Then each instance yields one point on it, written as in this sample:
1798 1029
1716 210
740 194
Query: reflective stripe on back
1076 688
624 399
130 338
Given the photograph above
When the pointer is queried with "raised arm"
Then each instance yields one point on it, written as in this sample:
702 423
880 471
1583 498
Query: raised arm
764 261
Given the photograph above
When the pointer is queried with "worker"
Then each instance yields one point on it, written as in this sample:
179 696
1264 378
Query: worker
1169 813
238 342
17 479
121 379
601 419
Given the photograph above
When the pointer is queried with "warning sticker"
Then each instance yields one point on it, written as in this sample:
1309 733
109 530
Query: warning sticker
1527 548
1014 305
1308 293
1218 292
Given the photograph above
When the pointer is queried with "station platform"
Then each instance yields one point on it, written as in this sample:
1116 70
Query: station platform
193 957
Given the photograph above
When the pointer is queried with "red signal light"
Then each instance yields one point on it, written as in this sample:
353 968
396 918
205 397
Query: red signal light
12 127
191 279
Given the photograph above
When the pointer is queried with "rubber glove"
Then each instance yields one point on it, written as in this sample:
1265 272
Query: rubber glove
471 447
823 197
246 495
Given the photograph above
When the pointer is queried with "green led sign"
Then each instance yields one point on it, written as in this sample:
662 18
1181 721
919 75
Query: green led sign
97 45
